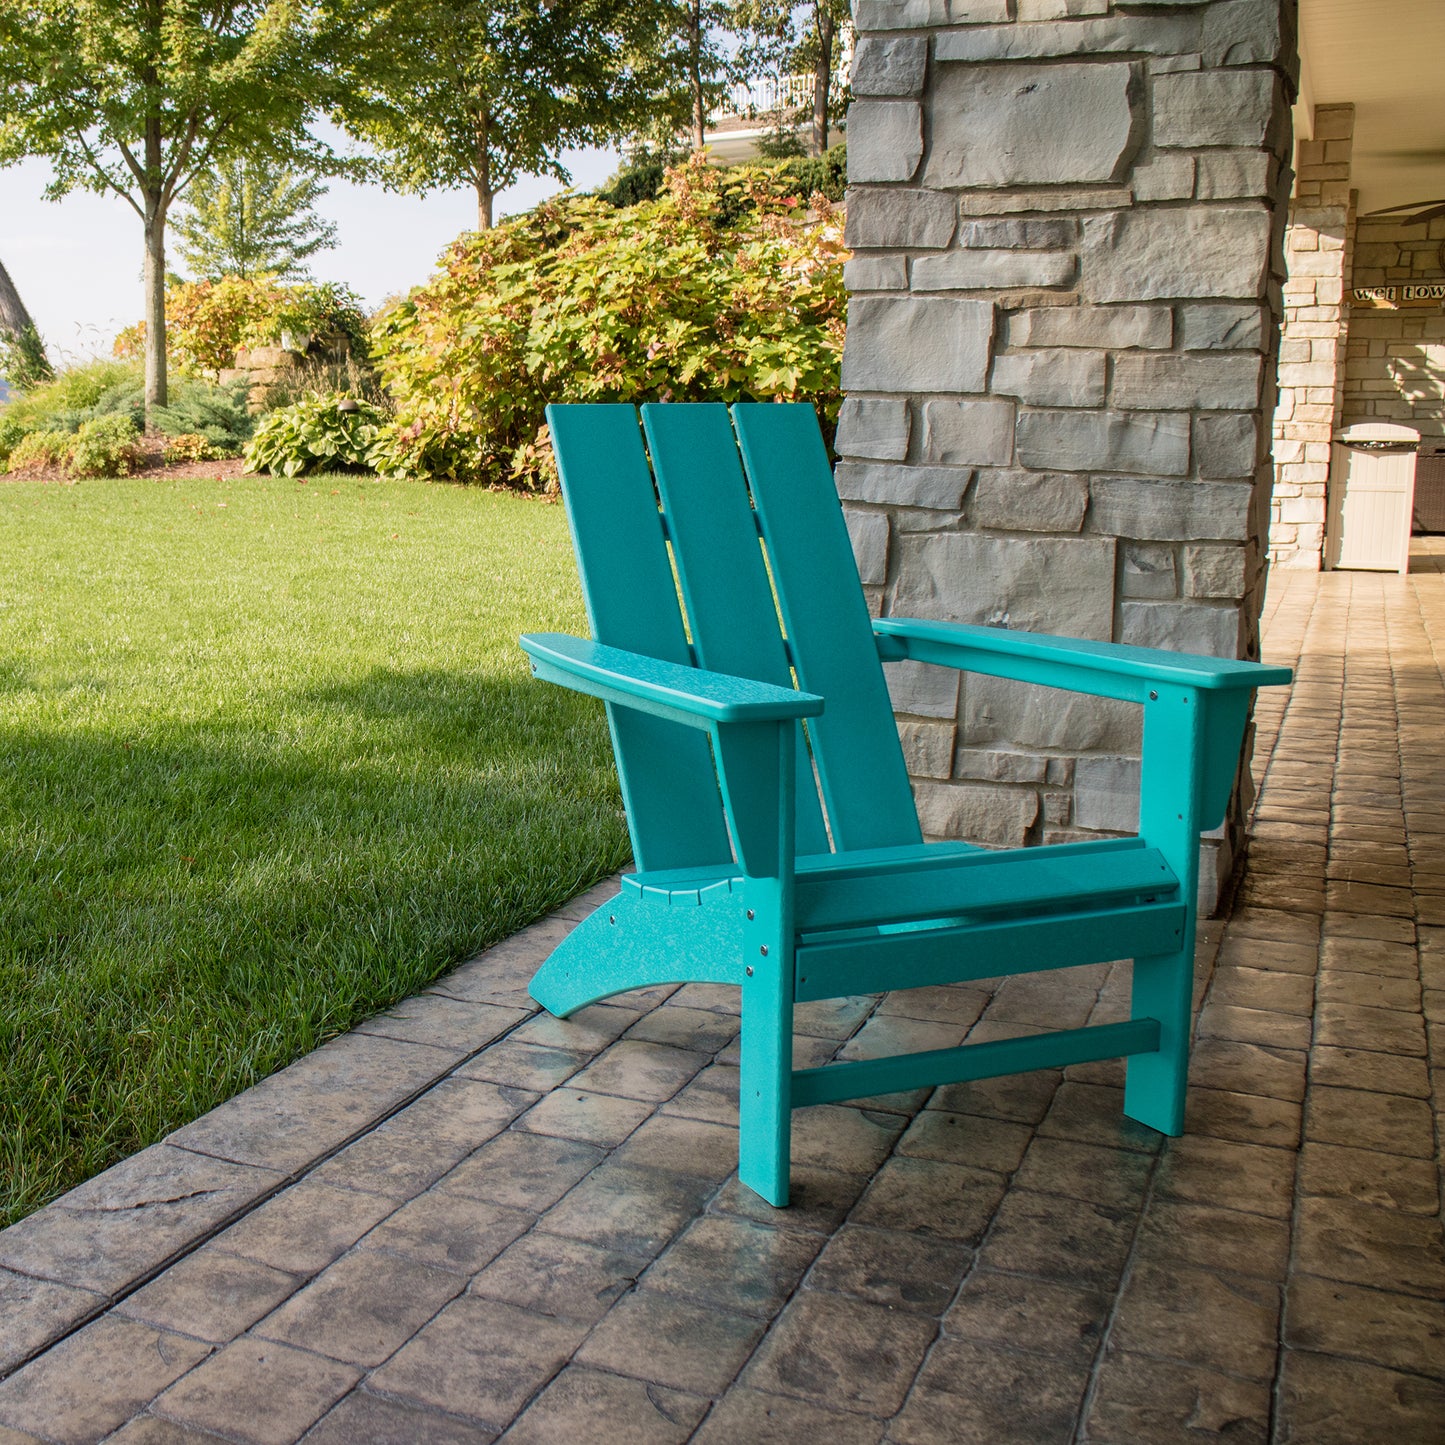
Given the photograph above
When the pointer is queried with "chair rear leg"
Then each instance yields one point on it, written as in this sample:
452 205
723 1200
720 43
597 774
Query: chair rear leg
1155 1083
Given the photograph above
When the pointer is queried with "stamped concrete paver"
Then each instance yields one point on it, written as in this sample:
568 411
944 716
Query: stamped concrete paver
469 1222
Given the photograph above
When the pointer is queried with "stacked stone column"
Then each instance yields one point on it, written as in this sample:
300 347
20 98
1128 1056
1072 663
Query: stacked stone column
1067 221
1312 343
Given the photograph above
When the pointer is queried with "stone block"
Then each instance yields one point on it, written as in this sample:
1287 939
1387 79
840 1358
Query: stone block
1111 35
1038 584
1220 326
1044 235
1214 571
1154 510
1225 175
992 270
1154 443
1000 712
885 140
968 433
908 344
1000 765
1109 327
1147 570
1012 125
978 12
873 427
1051 376
1251 34
1029 10
890 65
875 273
1106 794
1184 252
939 489
1226 446
918 689
899 14
868 531
1029 501
927 748
1180 627
1000 817
1214 108
1168 176
897 218
1196 380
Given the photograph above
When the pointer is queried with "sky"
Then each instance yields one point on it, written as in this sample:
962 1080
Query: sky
77 262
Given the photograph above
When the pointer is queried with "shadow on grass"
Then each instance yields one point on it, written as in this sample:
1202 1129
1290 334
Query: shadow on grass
193 905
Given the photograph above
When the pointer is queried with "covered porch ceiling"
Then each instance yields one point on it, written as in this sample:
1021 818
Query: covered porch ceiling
1388 58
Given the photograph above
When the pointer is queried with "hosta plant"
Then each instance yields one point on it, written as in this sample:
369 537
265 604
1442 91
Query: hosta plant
328 433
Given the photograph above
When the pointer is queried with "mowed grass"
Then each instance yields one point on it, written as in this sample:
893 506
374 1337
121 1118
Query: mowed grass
270 760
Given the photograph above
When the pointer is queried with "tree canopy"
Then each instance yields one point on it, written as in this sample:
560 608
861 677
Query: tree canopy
251 217
450 93
137 97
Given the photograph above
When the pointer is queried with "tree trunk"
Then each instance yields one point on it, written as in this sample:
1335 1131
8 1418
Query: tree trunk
14 318
482 172
694 67
822 77
155 307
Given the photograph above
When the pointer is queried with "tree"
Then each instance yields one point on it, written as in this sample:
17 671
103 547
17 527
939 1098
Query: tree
250 217
22 353
450 93
783 38
137 97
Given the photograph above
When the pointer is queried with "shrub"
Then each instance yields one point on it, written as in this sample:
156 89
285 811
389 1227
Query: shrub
189 447
40 448
208 321
106 446
72 396
23 362
314 434
720 288
10 434
217 413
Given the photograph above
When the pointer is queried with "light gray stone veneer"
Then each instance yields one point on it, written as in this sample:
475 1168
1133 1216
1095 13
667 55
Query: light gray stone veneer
1066 219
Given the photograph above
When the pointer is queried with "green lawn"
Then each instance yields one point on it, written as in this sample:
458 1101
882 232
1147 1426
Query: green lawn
270 760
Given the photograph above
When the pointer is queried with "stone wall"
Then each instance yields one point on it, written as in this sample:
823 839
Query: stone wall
1067 222
1312 343
1395 361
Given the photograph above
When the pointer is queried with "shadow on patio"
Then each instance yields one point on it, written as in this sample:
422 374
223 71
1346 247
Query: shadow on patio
466 1220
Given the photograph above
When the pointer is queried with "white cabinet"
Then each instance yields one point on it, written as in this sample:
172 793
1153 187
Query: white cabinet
1371 493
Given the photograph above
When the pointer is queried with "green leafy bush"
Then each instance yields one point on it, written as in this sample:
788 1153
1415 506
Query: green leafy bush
106 446
40 448
331 432
23 362
10 434
722 287
72 396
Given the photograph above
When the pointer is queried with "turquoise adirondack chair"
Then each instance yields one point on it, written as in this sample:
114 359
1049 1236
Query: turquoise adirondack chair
773 827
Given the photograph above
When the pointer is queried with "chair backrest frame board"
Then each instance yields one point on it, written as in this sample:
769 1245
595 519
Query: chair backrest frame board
715 540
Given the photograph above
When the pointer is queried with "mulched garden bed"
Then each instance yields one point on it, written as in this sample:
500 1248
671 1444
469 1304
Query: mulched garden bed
152 465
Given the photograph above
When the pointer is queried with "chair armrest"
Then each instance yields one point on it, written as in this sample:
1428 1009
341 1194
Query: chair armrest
1103 669
681 694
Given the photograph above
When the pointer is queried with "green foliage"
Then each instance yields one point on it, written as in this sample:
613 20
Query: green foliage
116 388
23 362
40 448
250 217
640 181
824 175
10 434
577 301
452 93
105 446
314 434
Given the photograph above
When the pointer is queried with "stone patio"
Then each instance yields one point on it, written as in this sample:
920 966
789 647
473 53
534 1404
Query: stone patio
466 1221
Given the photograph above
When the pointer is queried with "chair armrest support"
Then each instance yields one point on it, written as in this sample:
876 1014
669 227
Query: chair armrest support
1102 669
686 695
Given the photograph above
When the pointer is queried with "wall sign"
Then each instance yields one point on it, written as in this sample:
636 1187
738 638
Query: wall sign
1429 292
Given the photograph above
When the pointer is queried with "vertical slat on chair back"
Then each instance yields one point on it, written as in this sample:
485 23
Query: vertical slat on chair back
855 740
674 811
719 557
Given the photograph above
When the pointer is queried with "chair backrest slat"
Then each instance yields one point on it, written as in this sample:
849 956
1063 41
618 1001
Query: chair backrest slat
669 787
730 609
855 740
